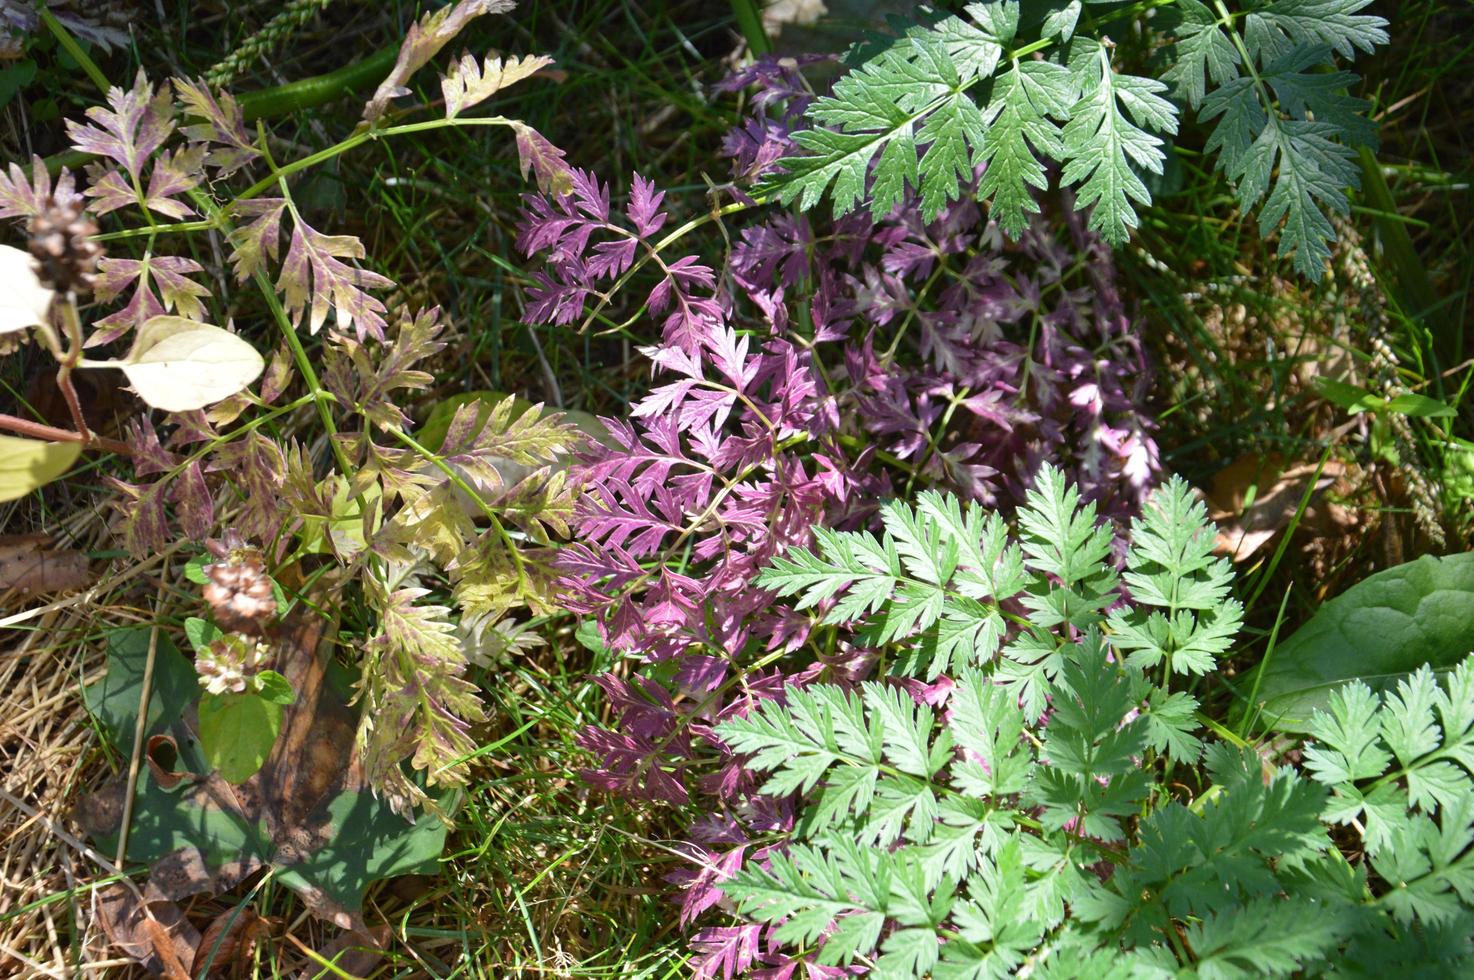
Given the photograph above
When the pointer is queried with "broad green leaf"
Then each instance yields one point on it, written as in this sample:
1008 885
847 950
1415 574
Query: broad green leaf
24 302
201 632
1379 631
307 814
1350 397
29 464
1421 406
114 699
275 688
237 732
194 569
179 365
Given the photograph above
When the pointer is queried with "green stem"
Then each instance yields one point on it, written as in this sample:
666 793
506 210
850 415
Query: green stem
321 156
750 22
70 46
461 484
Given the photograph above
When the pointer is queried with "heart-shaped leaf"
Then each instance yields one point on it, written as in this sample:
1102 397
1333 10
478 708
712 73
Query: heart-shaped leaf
26 464
179 365
24 302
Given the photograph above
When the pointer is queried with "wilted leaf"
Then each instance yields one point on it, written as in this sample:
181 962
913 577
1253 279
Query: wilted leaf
546 163
237 732
221 123
157 936
313 280
469 83
1379 631
422 42
432 432
24 302
179 365
308 812
28 464
227 946
30 565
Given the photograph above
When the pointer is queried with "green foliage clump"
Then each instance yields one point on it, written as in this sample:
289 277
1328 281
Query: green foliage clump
1064 812
1021 88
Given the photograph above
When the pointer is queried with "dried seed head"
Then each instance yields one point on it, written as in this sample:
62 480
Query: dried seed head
239 591
61 241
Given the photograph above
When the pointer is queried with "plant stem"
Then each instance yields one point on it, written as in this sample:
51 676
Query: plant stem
750 22
70 46
48 433
69 361
307 162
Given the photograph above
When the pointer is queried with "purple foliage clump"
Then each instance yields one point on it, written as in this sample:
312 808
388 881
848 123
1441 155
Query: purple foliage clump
827 366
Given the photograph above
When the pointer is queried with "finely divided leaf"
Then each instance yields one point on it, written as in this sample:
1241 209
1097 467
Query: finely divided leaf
1106 139
469 83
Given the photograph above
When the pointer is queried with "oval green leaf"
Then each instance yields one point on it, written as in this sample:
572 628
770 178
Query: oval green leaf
27 464
237 732
1378 631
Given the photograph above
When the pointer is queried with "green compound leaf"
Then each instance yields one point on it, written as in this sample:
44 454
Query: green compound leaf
1379 631
1019 131
912 92
1106 139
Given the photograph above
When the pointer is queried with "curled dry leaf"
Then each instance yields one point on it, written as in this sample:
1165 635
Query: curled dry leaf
154 934
29 565
470 83
227 946
179 365
422 42
24 302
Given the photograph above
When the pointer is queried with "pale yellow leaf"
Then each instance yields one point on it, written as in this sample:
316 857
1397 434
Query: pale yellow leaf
23 300
179 365
469 83
26 464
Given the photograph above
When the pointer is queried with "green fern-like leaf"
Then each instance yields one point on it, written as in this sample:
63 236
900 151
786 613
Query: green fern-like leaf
1107 139
926 109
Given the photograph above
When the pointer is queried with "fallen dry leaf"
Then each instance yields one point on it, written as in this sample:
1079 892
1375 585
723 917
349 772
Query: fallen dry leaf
157 936
1245 525
30 566
227 947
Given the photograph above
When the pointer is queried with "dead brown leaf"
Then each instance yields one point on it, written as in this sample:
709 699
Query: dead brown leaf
155 934
227 947
1245 525
30 566
312 764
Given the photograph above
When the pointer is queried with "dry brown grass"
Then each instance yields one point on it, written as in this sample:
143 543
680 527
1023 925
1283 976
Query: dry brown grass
50 754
